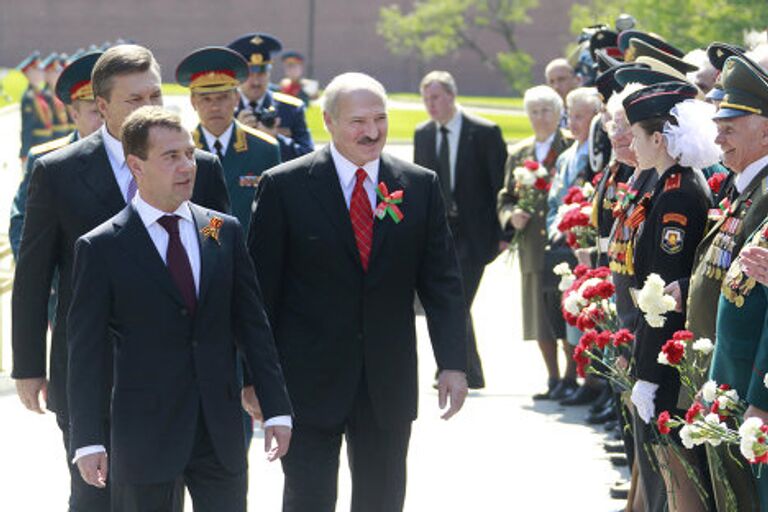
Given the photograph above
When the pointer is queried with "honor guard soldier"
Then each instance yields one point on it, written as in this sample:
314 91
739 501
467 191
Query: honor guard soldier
279 114
294 83
36 117
213 75
73 89
52 68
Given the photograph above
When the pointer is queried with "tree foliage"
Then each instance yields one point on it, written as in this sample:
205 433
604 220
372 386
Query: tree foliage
687 24
435 28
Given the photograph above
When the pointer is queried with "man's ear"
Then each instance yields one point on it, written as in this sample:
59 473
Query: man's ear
101 104
136 166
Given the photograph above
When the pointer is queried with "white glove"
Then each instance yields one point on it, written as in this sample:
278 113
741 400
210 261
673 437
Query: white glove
643 394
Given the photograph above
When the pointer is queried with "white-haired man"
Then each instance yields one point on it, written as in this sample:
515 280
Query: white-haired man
339 270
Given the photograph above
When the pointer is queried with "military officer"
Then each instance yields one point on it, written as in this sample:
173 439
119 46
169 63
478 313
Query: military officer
36 120
52 69
73 89
281 115
213 75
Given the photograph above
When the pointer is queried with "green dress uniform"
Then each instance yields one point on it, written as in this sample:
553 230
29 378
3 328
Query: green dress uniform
249 153
533 240
36 120
741 354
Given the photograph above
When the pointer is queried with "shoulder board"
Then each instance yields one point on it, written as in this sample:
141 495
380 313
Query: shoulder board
49 146
258 133
196 137
287 98
673 182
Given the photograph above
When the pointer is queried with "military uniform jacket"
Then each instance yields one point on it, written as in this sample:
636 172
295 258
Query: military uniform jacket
292 116
20 199
36 120
604 201
740 358
674 226
718 249
62 124
249 153
534 239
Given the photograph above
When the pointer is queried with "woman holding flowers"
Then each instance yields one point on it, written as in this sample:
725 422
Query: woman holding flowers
672 133
525 220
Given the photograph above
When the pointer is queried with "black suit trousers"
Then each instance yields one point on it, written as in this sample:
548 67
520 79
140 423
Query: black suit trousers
377 461
212 487
82 497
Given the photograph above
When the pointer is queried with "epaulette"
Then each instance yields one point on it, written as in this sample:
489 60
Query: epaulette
673 182
49 146
196 138
287 98
258 133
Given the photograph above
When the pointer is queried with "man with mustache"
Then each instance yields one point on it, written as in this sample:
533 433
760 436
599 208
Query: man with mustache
339 270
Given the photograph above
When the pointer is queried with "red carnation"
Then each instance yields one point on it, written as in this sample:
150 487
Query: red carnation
603 339
724 387
600 272
693 412
582 360
663 423
622 337
715 182
674 350
572 241
531 165
606 289
541 184
569 318
683 336
584 322
574 195
588 339
580 270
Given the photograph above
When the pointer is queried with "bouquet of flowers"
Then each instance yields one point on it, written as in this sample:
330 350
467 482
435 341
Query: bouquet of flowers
574 217
592 347
653 302
690 358
586 301
532 184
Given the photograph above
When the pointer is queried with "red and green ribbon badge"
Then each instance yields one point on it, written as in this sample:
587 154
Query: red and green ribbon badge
388 203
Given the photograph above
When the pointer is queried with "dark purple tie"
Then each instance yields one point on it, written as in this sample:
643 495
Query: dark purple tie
178 262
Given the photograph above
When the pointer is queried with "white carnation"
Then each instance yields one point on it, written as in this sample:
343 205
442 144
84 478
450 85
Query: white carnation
703 345
686 436
524 177
709 391
562 269
587 190
662 359
655 321
573 303
749 431
566 282
541 172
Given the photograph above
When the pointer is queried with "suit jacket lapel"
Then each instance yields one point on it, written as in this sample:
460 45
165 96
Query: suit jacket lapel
134 236
209 250
388 175
98 175
323 183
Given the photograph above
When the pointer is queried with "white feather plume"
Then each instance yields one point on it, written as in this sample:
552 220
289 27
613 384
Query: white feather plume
692 141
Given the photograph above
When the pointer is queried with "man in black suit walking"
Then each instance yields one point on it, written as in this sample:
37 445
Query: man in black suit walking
70 192
468 154
339 270
169 283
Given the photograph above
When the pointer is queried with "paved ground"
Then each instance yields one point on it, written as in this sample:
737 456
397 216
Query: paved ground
503 452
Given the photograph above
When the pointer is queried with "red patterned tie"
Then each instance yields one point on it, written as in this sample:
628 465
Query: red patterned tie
362 218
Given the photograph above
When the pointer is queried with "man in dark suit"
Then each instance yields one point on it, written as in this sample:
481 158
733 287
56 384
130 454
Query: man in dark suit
70 192
468 155
171 284
339 283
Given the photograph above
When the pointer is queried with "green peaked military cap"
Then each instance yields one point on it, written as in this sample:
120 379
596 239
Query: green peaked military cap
652 39
745 88
212 69
75 81
643 48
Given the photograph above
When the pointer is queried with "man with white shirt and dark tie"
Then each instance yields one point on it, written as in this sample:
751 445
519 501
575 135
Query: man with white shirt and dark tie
468 154
70 192
169 283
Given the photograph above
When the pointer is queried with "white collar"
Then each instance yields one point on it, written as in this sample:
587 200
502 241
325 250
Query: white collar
548 141
247 102
454 125
113 146
149 214
224 138
346 169
744 178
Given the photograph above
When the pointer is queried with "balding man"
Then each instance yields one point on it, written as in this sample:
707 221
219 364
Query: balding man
562 78
342 239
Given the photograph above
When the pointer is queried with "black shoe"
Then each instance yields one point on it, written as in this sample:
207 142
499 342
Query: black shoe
606 397
620 491
583 396
604 416
619 459
564 390
614 446
552 384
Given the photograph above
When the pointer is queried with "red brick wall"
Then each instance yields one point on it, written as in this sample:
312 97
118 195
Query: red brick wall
345 34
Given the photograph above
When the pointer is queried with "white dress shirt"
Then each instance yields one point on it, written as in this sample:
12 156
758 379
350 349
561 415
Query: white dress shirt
247 102
744 178
542 148
454 131
116 157
346 172
160 237
224 138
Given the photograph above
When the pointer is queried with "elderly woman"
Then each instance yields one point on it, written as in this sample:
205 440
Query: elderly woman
544 107
573 170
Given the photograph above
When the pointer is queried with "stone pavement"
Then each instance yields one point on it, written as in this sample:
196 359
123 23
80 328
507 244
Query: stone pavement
503 452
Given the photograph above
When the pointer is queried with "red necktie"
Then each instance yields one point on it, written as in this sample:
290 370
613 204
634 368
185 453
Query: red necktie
178 262
361 215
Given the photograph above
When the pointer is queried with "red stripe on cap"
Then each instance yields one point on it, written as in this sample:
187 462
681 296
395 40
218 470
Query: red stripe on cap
664 93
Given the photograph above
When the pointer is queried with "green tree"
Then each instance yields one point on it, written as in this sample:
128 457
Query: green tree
435 28
687 24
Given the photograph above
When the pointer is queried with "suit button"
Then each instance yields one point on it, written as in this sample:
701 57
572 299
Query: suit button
194 343
543 232
184 312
